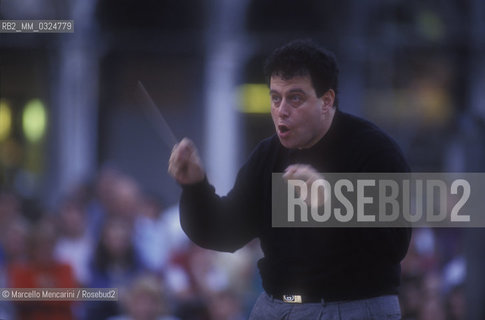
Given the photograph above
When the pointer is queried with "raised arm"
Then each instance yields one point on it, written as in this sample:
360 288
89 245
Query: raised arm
214 222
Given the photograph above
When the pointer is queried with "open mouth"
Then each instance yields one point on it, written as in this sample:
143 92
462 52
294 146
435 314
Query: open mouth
283 128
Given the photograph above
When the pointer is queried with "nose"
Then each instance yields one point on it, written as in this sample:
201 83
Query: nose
284 110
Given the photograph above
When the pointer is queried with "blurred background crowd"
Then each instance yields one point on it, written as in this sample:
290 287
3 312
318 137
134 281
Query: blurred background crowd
85 199
112 235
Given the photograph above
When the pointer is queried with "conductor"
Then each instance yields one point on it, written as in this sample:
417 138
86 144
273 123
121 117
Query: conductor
307 273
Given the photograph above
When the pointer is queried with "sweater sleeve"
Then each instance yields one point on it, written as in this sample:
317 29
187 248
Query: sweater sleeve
223 223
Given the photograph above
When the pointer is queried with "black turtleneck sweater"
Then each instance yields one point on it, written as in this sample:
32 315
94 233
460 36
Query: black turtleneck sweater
332 263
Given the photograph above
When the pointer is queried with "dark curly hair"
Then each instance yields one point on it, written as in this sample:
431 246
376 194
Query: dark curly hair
302 58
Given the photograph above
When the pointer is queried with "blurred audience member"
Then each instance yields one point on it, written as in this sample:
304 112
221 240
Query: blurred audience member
158 234
42 271
422 253
152 235
145 300
10 209
75 244
410 296
13 230
432 304
116 194
98 206
107 178
225 305
433 275
454 288
195 308
207 276
432 309
15 241
116 262
456 303
125 198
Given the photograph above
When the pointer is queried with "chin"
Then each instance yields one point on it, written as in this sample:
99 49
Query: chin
288 144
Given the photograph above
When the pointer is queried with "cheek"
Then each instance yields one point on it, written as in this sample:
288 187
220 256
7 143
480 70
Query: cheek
302 118
273 115
307 120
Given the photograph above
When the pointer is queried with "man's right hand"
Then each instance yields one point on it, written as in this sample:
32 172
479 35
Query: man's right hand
185 165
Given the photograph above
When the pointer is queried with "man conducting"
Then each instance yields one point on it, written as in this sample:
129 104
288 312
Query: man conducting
307 273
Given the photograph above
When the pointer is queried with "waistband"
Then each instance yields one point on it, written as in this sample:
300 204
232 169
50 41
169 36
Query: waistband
301 298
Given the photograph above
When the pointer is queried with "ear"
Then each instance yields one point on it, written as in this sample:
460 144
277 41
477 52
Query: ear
328 99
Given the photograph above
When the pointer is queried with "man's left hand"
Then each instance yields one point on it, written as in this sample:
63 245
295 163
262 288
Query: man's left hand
308 174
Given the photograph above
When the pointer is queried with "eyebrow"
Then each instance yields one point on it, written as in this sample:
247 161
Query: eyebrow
295 90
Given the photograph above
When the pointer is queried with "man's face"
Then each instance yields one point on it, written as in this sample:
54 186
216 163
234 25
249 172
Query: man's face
297 112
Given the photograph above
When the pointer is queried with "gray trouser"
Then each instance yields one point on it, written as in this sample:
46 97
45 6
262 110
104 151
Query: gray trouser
383 307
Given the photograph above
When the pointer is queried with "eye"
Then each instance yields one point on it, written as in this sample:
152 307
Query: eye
296 99
275 99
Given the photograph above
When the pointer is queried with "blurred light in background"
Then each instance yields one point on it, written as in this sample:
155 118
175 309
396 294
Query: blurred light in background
5 119
254 98
430 25
34 120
